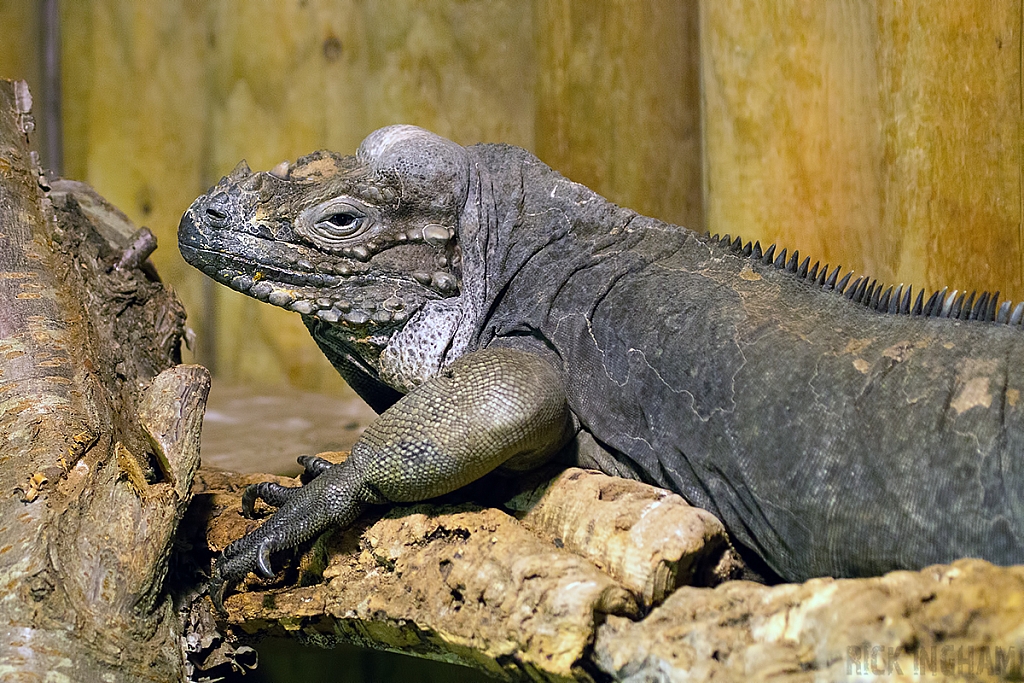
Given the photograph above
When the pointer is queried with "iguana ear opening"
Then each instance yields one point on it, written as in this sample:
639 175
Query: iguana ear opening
434 171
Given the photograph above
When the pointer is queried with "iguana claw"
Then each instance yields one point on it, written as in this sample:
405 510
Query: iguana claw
216 588
263 560
313 465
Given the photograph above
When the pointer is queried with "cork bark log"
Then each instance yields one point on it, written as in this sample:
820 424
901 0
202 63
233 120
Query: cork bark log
473 585
963 621
508 589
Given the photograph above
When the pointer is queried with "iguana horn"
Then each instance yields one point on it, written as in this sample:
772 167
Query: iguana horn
240 171
434 170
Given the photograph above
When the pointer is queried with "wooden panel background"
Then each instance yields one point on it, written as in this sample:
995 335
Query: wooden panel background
882 135
879 134
19 42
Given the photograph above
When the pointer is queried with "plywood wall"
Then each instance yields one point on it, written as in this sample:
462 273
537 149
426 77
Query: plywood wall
19 41
618 101
879 134
165 99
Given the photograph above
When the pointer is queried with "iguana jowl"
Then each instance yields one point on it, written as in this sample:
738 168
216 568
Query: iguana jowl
496 313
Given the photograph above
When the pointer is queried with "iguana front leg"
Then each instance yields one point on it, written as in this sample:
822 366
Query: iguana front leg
491 407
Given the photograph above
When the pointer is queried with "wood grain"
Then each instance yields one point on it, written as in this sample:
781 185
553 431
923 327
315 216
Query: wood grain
162 103
882 135
618 95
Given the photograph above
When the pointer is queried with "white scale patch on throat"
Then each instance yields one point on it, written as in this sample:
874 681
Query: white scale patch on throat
423 347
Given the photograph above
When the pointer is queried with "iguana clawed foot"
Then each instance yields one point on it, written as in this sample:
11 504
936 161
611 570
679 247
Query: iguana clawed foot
491 408
303 513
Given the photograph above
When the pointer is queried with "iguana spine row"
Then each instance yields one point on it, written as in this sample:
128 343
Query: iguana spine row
955 305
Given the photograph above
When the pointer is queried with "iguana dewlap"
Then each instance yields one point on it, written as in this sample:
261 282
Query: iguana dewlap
496 313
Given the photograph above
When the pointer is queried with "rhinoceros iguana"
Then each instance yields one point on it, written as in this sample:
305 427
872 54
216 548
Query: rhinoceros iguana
496 313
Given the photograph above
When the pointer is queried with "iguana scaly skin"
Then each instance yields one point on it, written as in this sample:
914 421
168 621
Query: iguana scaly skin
496 313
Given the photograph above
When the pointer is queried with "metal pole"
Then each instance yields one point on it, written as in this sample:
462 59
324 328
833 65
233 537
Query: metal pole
53 139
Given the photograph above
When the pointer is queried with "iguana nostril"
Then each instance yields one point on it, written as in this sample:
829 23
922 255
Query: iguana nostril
216 218
216 211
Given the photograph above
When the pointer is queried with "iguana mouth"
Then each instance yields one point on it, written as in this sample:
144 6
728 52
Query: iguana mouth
362 301
230 267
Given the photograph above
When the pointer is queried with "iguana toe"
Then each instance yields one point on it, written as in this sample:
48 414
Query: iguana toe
313 465
249 496
269 492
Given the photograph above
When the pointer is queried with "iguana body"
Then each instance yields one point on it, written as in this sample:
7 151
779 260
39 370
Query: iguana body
835 429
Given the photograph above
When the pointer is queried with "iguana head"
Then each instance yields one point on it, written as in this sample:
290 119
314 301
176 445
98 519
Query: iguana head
363 242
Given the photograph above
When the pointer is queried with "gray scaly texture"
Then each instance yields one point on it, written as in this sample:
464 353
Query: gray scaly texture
837 427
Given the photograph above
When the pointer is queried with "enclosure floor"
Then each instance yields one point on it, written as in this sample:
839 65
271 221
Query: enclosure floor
263 430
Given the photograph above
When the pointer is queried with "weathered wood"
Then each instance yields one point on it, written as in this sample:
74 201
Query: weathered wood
99 432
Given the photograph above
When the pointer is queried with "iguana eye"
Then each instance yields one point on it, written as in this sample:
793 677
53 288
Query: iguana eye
336 223
343 224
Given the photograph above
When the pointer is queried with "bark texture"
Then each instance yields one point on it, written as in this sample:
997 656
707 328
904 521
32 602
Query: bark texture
648 539
963 621
99 431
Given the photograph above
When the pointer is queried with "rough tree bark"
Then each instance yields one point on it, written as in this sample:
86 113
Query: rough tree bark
99 431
